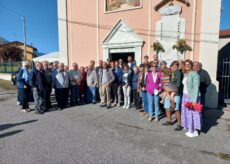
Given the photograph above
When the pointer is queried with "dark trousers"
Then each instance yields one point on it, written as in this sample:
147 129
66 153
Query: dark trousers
47 101
74 95
24 97
62 95
39 97
136 98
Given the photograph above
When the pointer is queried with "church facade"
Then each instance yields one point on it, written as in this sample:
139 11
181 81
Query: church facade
102 29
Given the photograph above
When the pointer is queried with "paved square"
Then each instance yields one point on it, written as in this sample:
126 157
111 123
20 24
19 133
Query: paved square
90 134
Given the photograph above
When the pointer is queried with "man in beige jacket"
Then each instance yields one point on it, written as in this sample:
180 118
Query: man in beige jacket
105 79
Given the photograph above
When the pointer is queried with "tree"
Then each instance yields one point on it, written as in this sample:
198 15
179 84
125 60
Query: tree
11 54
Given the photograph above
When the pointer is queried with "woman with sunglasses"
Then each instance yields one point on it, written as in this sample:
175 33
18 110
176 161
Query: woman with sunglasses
190 119
153 88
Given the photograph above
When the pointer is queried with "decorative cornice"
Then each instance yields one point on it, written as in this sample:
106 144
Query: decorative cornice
164 2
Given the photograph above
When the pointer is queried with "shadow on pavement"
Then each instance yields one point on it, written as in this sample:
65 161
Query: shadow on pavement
211 117
10 133
7 126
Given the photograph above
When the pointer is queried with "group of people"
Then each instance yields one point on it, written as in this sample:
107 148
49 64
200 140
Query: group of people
152 88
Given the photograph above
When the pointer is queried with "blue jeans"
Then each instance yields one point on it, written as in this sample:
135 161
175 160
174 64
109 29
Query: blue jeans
74 97
93 91
153 105
145 101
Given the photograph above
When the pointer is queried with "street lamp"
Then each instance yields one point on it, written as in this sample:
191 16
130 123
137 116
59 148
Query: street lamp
24 31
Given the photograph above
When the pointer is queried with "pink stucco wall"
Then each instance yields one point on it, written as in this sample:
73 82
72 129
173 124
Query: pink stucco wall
82 27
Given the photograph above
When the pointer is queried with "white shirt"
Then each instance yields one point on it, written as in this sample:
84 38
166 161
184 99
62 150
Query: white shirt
185 84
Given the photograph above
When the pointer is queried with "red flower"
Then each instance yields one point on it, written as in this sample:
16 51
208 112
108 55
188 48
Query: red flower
198 107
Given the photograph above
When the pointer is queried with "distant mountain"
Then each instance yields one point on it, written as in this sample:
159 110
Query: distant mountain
3 41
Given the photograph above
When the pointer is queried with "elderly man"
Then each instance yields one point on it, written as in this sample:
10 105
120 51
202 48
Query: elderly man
105 79
92 83
75 81
48 79
38 83
61 83
131 63
205 80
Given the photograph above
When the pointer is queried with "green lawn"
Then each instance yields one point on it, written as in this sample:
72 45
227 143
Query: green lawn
5 84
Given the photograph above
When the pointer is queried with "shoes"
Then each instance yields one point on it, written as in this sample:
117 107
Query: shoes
93 102
127 107
191 135
102 105
156 119
196 134
23 110
124 106
167 123
178 128
37 112
108 107
150 119
118 105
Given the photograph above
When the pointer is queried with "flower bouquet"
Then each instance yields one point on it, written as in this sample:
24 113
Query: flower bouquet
157 47
198 107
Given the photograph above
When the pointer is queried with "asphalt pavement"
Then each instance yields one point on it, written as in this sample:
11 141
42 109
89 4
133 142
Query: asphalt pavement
93 135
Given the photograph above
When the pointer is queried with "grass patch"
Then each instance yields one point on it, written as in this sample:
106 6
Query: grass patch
5 84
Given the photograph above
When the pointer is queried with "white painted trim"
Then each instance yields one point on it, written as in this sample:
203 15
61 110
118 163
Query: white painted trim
193 28
97 42
149 27
209 46
62 31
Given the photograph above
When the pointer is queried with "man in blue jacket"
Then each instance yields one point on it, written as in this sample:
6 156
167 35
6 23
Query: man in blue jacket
117 84
38 84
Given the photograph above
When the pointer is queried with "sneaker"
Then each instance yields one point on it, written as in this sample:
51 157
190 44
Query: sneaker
196 134
150 119
167 123
124 106
23 110
156 119
108 107
118 105
189 134
102 105
178 128
127 107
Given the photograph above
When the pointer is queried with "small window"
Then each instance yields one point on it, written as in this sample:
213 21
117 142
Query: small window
118 5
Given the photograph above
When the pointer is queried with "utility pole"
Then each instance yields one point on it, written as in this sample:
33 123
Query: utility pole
24 31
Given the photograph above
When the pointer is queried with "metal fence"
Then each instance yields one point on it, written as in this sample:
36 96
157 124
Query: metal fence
9 67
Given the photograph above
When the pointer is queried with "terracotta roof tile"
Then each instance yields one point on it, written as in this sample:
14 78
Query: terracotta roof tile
225 33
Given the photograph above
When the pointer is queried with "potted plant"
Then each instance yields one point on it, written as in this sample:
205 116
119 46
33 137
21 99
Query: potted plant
181 46
157 47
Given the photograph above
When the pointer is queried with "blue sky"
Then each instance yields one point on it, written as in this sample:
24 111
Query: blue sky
225 16
41 21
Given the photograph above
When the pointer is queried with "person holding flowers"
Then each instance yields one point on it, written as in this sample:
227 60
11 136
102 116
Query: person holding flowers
191 118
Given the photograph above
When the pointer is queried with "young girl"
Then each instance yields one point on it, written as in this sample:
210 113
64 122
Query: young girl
170 91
